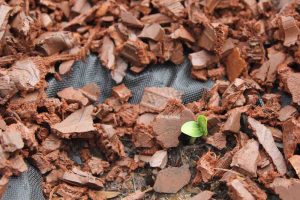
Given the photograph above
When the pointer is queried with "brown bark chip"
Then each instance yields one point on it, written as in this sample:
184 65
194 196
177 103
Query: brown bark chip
235 64
286 112
233 122
159 159
204 195
295 162
246 158
153 31
78 124
287 189
155 99
265 138
239 191
202 59
172 179
72 95
166 125
291 137
121 92
290 29
293 81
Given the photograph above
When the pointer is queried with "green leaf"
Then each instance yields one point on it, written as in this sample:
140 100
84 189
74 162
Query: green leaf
202 123
192 129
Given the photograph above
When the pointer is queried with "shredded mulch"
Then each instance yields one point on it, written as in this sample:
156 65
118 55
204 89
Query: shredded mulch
137 151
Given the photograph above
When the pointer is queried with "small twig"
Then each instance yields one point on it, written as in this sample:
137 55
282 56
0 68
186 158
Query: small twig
229 170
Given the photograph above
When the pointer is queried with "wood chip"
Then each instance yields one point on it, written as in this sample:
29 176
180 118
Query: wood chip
265 138
172 179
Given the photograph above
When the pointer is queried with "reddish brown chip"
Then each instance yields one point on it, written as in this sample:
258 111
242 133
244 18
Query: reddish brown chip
153 31
167 124
265 138
182 33
200 75
81 178
293 81
142 136
295 162
286 112
78 124
118 73
121 92
233 122
130 20
290 29
204 195
291 137
287 189
97 165
235 64
155 99
246 158
72 95
172 179
50 43
217 140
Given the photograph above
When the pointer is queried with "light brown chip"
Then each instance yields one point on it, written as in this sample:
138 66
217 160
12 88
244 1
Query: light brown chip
286 112
155 98
293 82
121 92
153 31
91 91
202 59
159 159
246 158
217 140
295 162
78 123
72 95
237 190
107 56
172 179
287 189
130 20
204 195
291 30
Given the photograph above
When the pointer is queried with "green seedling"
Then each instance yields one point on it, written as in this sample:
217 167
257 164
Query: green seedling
195 129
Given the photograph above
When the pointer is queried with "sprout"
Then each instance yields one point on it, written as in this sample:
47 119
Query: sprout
195 129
